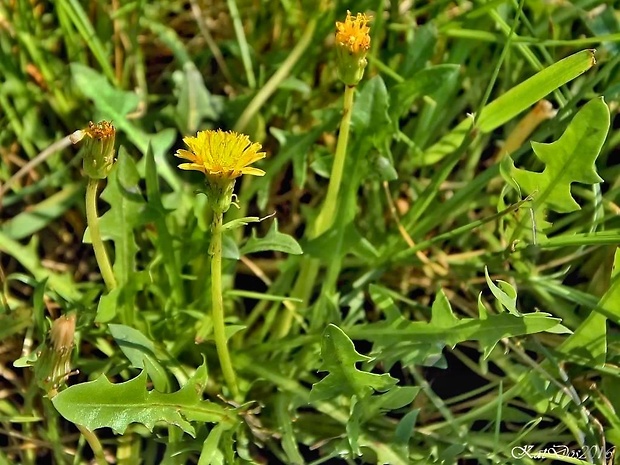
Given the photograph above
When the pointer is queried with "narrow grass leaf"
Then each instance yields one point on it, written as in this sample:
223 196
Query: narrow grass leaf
38 216
513 102
529 92
588 344
210 446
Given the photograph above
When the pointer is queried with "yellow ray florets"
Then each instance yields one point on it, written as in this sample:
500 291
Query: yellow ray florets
221 154
353 33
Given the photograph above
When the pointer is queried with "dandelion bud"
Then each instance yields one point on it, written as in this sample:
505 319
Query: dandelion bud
352 45
99 148
54 364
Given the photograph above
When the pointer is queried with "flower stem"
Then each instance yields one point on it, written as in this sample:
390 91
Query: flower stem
90 436
95 234
93 442
217 305
327 215
310 266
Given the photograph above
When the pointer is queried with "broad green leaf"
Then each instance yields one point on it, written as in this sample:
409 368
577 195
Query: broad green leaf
442 315
339 359
112 104
108 305
140 351
396 398
273 240
405 430
230 249
504 293
370 110
100 404
384 168
569 159
420 50
513 102
402 335
210 450
195 102
122 193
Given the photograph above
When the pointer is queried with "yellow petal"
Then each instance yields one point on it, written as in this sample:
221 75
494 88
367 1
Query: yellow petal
253 171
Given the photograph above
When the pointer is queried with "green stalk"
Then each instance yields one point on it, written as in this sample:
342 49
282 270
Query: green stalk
310 267
93 442
243 43
327 215
217 305
90 436
92 219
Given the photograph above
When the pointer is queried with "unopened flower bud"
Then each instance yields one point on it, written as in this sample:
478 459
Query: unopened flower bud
99 148
54 364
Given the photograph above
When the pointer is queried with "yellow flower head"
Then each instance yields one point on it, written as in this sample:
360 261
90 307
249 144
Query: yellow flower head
221 155
353 33
102 130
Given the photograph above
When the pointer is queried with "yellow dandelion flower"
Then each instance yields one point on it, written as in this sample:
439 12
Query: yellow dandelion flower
221 155
352 44
353 33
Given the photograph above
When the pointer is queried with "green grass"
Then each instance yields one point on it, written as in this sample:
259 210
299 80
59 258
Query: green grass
463 307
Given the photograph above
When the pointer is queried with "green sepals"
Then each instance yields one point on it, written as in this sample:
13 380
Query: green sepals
219 193
53 365
350 65
239 222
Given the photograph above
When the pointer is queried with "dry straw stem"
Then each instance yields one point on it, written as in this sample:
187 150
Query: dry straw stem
57 146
